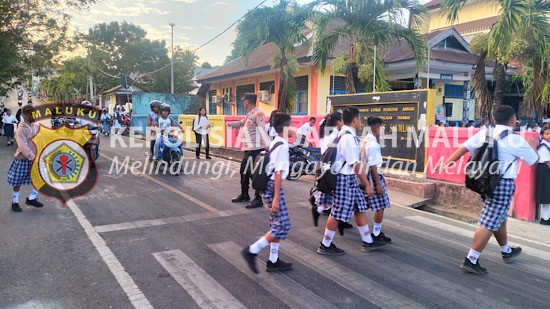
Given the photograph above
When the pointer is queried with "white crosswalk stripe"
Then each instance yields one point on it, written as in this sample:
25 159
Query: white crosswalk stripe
206 291
281 286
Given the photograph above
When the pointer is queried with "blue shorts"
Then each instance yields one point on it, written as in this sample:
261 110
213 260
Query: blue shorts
279 222
495 208
378 202
348 198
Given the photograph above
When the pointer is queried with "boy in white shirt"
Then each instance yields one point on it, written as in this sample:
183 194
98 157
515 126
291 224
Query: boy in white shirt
348 198
495 208
274 197
302 136
371 156
163 122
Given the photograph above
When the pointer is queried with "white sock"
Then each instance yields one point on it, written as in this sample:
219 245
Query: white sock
256 247
473 256
365 234
15 197
545 211
506 248
377 228
33 194
320 209
327 239
274 253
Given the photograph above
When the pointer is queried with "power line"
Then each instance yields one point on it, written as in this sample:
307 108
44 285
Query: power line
231 26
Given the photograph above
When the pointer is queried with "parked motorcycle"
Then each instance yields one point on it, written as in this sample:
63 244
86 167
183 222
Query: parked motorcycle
171 151
303 161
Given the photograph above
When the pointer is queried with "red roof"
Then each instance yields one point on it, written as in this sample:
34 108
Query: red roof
433 4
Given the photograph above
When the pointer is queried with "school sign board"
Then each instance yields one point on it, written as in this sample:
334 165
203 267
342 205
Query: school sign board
406 116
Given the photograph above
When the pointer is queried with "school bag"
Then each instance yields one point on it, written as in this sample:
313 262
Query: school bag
325 176
260 178
483 168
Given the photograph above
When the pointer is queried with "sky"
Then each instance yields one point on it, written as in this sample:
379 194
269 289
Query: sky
197 21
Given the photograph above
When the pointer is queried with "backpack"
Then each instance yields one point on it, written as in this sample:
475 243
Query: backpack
260 178
119 117
483 168
325 176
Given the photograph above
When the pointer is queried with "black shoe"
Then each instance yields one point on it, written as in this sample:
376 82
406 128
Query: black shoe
250 259
241 198
15 207
197 157
509 257
315 214
34 203
381 237
332 250
365 246
255 203
208 158
278 266
470 267
545 222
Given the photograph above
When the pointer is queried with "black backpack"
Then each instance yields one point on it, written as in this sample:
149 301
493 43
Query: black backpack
483 168
260 178
326 177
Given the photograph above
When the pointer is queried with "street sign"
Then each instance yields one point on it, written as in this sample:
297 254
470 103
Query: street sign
446 77
126 81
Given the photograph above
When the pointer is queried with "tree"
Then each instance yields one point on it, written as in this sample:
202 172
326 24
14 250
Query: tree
519 21
281 26
365 24
206 65
73 76
185 62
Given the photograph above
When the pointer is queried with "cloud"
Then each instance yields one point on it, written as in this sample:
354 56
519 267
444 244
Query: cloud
219 3
137 9
185 1
208 27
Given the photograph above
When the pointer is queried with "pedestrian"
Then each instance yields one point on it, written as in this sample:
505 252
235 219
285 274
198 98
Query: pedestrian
163 122
348 198
117 118
269 128
106 121
332 124
20 169
543 181
274 197
201 126
371 156
153 114
254 140
493 217
304 132
18 113
9 122
2 113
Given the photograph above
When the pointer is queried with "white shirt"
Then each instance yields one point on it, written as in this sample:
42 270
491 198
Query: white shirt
544 154
164 123
270 130
510 148
347 151
373 154
279 158
10 119
200 126
328 140
304 130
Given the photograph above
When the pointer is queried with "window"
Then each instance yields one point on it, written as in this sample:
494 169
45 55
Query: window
300 108
227 109
337 85
454 91
241 90
269 86
211 106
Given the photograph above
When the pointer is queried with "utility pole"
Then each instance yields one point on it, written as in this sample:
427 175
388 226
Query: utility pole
172 60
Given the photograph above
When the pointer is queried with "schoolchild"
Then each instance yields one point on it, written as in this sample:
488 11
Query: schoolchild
543 181
163 122
371 155
153 114
492 220
348 198
19 173
9 126
274 199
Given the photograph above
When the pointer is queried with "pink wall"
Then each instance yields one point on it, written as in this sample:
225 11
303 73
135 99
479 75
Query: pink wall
231 134
444 141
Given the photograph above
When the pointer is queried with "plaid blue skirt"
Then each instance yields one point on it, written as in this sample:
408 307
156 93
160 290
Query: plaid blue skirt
279 222
325 200
19 173
495 208
348 198
378 202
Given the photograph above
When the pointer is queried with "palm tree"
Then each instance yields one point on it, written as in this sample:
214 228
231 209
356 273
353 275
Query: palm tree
280 25
365 24
519 21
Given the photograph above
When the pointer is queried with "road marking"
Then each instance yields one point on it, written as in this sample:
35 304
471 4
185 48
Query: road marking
206 291
134 294
544 255
412 276
280 285
374 292
167 186
172 220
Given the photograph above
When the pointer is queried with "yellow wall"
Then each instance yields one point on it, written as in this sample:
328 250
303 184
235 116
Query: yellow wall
323 91
470 12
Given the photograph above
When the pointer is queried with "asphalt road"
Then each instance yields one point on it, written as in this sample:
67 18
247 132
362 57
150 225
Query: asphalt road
167 241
